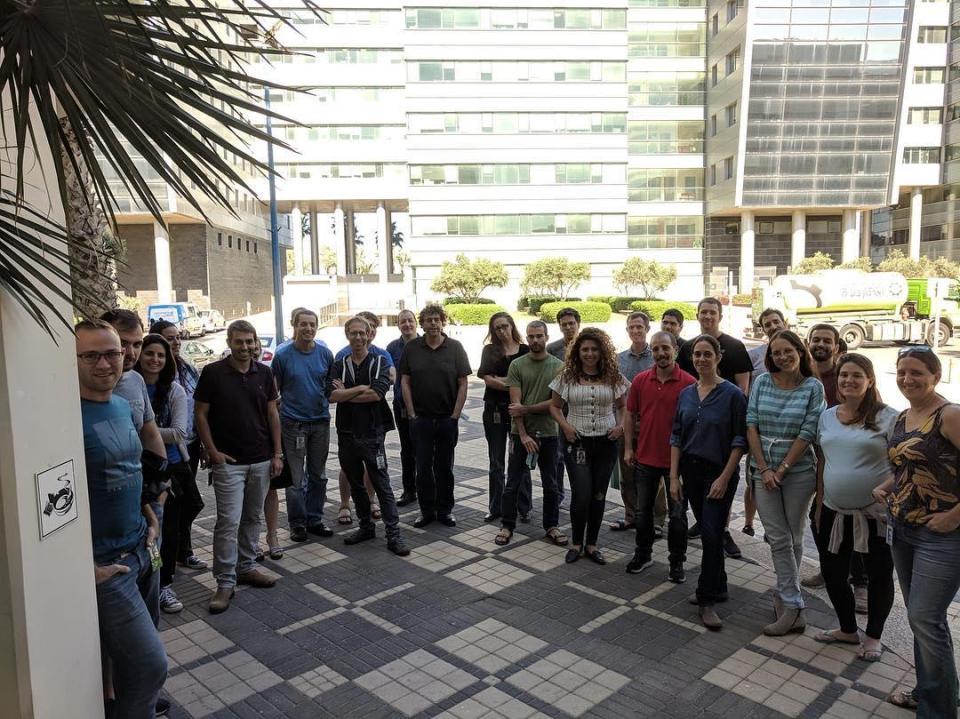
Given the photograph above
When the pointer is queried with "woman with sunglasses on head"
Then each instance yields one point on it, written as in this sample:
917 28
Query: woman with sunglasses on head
782 416
924 501
852 461
505 345
593 389
169 403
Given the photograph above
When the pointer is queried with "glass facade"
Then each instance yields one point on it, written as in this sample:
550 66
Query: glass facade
465 18
511 123
521 174
511 71
566 224
824 89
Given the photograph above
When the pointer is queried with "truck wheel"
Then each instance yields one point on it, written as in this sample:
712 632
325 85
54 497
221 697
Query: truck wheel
943 336
853 335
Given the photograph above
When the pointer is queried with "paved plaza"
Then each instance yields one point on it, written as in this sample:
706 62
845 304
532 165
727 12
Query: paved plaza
462 628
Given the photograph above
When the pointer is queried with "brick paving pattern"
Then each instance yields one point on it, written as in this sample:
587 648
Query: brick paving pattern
462 628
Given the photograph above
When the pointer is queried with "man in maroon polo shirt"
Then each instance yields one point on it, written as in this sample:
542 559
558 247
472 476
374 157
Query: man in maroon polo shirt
653 402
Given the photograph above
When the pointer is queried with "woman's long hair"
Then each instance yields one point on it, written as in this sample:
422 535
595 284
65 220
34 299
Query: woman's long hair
806 361
167 377
871 404
494 339
573 372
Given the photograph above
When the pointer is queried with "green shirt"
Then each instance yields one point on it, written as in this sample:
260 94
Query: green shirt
533 377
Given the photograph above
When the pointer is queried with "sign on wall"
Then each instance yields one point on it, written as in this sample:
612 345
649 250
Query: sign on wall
56 498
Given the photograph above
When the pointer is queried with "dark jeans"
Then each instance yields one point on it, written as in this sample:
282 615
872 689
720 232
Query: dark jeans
858 568
436 439
698 477
589 460
561 461
130 639
357 453
648 482
929 575
836 570
192 503
496 428
408 455
181 508
518 474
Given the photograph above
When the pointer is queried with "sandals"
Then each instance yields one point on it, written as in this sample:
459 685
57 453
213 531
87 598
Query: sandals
344 516
830 637
870 655
274 549
503 537
557 537
622 526
905 700
375 511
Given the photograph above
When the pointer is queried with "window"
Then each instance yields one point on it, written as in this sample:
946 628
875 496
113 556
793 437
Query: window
715 24
254 247
925 116
731 114
731 10
928 75
665 185
664 232
220 239
728 168
932 34
713 175
674 40
733 61
679 137
229 242
713 126
248 245
921 155
713 76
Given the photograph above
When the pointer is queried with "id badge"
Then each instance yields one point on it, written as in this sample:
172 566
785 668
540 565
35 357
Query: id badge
381 461
580 456
496 417
890 533
301 441
155 560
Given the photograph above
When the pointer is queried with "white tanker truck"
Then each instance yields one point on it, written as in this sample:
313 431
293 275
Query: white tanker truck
875 306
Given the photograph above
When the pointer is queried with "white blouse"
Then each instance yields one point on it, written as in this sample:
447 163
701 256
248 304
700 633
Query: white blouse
590 406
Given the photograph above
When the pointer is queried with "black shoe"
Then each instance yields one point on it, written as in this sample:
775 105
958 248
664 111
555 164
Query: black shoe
571 556
677 575
321 530
423 521
595 556
525 518
161 708
298 534
406 499
398 547
361 535
447 520
748 530
730 547
694 531
491 518
638 563
657 533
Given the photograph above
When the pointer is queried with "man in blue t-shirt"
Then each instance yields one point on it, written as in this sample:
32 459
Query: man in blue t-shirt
124 529
300 369
407 324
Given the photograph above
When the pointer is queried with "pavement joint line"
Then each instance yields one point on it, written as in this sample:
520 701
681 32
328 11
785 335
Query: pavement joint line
595 593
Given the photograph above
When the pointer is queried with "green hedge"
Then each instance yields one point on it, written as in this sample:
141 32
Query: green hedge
472 314
656 308
461 301
532 303
589 311
606 299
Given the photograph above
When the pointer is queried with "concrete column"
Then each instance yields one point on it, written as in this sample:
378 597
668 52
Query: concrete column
798 244
315 268
161 247
340 240
850 249
383 242
866 222
350 238
296 231
747 247
916 215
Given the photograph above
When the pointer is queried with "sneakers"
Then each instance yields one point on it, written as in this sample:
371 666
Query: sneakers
321 530
361 535
221 600
730 547
168 600
677 575
813 582
298 534
749 530
638 563
398 547
406 499
860 600
193 562
694 531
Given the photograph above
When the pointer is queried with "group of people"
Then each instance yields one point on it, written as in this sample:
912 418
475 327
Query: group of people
880 488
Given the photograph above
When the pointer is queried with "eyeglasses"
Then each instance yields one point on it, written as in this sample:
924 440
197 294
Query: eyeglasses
914 349
92 358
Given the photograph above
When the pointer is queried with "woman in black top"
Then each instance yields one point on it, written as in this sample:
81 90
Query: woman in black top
505 345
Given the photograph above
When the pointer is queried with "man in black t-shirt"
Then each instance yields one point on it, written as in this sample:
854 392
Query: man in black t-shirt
735 364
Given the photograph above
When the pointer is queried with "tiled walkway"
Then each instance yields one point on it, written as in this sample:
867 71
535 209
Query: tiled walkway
462 628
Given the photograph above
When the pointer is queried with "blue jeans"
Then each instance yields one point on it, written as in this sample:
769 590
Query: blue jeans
518 474
496 428
129 637
929 571
698 477
435 439
305 445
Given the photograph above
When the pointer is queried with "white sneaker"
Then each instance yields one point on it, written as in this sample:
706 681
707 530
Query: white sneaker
169 602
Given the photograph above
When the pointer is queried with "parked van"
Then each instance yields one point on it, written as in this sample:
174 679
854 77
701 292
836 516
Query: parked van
185 315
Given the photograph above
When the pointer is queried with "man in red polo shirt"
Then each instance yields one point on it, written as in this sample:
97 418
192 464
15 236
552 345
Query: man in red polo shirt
651 405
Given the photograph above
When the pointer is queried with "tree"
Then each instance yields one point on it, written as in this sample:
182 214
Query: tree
861 263
328 259
402 259
114 89
554 275
396 236
897 261
649 275
467 279
808 265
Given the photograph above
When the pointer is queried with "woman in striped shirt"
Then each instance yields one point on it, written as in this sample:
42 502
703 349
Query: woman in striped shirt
782 415
591 385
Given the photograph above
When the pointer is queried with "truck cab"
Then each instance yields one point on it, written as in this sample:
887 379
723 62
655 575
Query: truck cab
185 315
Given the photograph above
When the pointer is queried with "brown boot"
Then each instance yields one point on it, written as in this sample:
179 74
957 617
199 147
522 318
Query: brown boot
777 605
256 578
790 620
221 600
709 617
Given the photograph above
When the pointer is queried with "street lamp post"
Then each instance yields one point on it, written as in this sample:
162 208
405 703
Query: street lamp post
274 228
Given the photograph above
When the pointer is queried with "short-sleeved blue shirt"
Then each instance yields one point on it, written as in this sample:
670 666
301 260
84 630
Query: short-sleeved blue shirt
112 450
395 350
301 381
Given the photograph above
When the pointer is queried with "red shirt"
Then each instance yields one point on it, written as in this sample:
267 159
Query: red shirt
655 404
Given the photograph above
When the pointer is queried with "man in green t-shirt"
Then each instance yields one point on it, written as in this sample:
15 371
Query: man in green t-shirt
533 434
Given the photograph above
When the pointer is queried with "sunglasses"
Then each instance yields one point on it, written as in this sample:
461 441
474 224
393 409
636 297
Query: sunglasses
915 349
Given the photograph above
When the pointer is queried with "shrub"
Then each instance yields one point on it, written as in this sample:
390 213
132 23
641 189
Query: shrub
815 263
476 314
468 278
656 308
556 275
743 300
589 311
622 304
649 275
606 299
532 303
461 301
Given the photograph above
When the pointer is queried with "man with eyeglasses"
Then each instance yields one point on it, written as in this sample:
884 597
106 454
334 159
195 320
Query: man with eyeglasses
124 528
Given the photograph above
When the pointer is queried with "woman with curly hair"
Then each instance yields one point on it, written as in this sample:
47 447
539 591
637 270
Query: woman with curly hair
593 389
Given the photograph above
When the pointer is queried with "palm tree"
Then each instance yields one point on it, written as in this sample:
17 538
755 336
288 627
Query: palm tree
101 83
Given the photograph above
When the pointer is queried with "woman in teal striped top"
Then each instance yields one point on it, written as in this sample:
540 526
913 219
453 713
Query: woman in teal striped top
782 415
